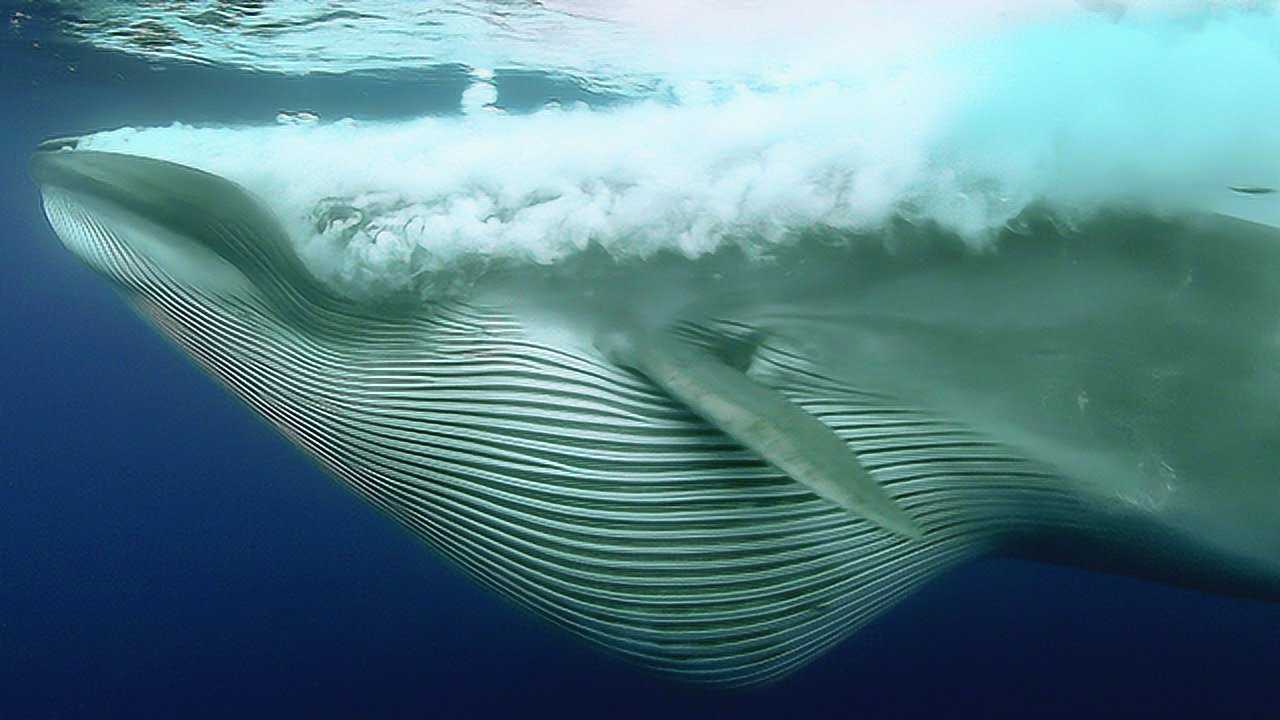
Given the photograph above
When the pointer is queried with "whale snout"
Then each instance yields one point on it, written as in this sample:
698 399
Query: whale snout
137 219
56 162
148 224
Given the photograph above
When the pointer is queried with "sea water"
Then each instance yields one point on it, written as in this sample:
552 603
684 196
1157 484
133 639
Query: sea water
409 151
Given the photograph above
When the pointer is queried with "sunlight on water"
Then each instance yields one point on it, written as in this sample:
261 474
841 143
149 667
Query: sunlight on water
630 45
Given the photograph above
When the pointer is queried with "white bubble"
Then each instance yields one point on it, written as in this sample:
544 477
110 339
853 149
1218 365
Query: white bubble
296 117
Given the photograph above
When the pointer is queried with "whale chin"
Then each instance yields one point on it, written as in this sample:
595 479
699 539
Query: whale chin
724 488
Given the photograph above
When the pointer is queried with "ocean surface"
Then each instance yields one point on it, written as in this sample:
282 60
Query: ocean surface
165 553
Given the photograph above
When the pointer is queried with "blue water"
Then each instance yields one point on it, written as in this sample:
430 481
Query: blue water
164 554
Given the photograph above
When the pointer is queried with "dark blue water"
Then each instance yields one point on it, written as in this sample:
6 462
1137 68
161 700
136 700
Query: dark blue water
164 554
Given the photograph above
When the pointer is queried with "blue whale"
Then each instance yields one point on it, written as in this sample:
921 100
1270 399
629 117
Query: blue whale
720 467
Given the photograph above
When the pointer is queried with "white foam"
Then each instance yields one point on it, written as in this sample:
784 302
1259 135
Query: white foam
1072 107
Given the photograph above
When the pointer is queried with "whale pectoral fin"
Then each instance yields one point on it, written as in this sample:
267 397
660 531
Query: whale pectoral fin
762 420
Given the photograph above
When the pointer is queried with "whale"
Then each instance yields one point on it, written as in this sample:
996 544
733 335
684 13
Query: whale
720 467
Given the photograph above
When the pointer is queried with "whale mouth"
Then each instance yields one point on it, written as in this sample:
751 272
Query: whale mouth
151 226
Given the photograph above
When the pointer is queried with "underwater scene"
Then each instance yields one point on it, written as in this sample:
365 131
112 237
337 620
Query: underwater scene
567 358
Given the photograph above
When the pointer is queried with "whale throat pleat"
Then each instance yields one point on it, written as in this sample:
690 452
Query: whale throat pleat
582 493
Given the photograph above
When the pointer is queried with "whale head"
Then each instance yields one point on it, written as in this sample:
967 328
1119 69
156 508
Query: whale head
147 224
730 484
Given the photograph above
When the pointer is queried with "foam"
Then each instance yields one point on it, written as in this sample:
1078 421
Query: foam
1072 108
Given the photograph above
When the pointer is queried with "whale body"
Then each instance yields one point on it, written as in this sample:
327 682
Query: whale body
720 467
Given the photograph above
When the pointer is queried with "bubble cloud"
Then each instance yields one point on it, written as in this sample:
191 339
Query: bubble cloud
1073 106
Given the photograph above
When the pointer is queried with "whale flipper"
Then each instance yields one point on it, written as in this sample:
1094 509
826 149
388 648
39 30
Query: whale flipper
763 420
